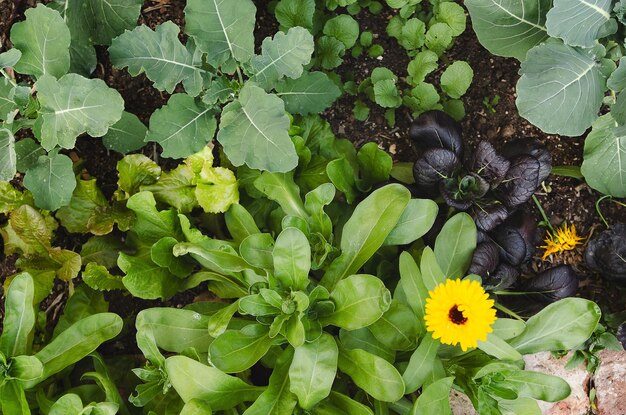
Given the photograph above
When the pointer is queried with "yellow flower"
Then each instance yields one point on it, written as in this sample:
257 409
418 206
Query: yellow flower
563 239
459 312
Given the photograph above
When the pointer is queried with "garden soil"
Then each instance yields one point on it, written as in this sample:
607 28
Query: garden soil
563 199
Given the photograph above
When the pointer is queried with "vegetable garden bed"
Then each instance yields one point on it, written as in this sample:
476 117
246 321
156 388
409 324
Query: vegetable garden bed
250 227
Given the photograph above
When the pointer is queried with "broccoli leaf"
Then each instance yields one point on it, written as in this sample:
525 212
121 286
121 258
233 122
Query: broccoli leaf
74 105
126 135
51 181
561 89
44 40
222 28
284 55
580 22
604 161
509 27
312 93
182 127
8 158
159 54
254 130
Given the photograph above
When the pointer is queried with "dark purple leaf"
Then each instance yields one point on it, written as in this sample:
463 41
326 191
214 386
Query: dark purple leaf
489 216
606 253
435 165
436 129
521 181
489 164
450 199
485 260
552 284
504 277
481 236
526 225
513 247
621 334
530 147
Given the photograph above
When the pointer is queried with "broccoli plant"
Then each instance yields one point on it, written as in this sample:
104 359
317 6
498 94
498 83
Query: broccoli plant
571 54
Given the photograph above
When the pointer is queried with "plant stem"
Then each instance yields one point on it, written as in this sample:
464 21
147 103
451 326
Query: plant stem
508 311
11 80
543 213
239 75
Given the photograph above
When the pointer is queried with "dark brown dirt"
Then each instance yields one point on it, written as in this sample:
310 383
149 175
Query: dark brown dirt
564 199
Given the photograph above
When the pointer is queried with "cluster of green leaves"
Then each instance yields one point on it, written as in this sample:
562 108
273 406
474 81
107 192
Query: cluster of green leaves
572 54
195 184
253 127
55 48
62 106
425 34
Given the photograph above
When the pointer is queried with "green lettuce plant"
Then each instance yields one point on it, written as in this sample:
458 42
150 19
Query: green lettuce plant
337 339
572 69
22 369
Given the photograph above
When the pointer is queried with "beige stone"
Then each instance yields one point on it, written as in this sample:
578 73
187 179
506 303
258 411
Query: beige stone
610 383
578 378
461 404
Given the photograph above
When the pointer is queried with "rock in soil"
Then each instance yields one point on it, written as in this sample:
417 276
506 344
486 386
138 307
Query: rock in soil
610 383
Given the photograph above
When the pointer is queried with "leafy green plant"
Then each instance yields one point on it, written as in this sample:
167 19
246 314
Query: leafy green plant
60 106
22 369
425 34
562 61
253 127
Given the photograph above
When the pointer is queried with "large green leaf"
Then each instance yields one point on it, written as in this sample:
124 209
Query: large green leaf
235 351
292 259
581 22
126 135
366 230
99 21
182 127
312 93
224 29
254 130
74 105
7 98
416 220
284 55
76 342
455 245
371 373
313 370
44 40
509 27
359 300
434 399
175 330
95 22
159 54
8 158
192 379
560 326
51 181
276 399
604 161
421 364
561 89
19 317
